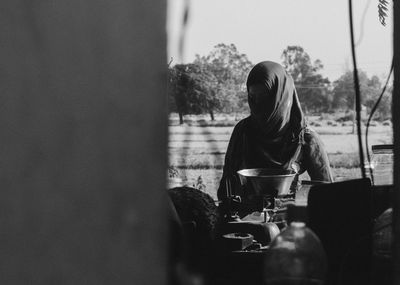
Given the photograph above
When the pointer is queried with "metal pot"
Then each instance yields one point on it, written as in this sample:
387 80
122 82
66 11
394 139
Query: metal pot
267 181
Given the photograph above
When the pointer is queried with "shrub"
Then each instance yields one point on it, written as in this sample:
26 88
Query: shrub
325 116
199 184
224 124
173 172
344 160
347 117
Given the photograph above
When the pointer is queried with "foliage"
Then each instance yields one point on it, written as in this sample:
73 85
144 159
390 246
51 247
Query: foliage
370 88
211 83
172 172
216 83
384 110
199 184
230 67
312 87
191 89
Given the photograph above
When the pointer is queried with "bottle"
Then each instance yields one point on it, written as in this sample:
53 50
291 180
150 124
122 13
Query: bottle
382 164
296 255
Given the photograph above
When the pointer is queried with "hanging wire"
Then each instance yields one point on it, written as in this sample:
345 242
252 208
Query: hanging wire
357 91
370 119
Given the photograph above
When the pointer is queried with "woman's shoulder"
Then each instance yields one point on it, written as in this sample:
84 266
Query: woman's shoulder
315 158
310 135
242 124
243 121
312 141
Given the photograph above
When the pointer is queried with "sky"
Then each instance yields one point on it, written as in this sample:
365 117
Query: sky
262 29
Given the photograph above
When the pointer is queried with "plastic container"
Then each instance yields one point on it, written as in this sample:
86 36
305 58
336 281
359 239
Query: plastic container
382 164
296 255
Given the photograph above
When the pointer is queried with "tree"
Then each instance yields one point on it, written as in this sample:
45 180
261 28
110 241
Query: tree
176 91
230 68
344 94
375 87
384 110
312 87
210 83
370 89
201 92
191 90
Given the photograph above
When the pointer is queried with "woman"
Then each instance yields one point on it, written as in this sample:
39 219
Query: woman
275 134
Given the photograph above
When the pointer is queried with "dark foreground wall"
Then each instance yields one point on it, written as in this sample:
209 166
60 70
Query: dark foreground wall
82 142
396 130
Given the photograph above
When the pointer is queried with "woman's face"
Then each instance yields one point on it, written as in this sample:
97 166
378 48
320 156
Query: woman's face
261 102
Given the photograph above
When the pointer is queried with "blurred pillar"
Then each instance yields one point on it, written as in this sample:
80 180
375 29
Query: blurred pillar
83 138
396 131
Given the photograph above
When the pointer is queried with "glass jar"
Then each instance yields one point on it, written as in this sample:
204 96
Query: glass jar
382 164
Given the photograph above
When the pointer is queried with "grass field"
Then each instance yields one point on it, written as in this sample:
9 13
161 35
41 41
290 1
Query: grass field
197 149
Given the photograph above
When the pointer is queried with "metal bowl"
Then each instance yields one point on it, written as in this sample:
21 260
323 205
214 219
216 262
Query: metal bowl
267 181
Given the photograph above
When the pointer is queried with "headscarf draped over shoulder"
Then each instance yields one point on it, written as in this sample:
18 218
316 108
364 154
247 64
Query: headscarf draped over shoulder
280 110
270 136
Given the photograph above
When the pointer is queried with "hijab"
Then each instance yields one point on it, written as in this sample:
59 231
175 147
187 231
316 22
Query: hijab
279 115
273 133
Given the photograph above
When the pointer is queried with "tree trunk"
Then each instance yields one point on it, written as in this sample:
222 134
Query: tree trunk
180 118
212 115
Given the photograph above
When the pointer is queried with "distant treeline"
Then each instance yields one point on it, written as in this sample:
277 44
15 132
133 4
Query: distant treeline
217 83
